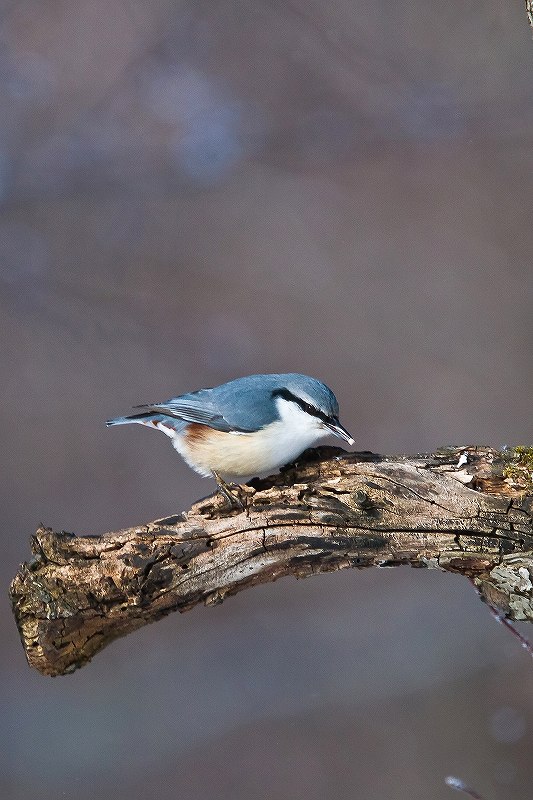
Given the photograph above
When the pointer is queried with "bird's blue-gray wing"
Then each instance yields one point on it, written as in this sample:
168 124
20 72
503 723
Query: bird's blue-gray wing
203 414
197 407
243 405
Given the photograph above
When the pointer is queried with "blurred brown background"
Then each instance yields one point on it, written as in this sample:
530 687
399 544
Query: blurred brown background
192 191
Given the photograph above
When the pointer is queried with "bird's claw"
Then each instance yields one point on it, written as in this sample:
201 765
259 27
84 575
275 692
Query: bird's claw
225 490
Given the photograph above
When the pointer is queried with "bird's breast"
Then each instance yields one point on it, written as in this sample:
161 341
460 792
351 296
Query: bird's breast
236 455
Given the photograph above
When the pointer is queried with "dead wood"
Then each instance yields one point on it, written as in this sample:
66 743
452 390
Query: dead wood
466 510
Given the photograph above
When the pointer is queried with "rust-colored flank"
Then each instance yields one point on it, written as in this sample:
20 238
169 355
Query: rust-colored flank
195 433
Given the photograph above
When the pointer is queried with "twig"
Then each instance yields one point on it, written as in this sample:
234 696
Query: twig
460 786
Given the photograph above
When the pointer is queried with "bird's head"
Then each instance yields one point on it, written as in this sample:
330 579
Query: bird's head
310 402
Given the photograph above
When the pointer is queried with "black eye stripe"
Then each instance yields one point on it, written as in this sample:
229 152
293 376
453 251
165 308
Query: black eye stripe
307 407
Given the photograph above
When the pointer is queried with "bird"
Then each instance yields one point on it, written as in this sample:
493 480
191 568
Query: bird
247 426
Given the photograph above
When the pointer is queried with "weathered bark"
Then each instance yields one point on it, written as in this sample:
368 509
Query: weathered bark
529 11
465 510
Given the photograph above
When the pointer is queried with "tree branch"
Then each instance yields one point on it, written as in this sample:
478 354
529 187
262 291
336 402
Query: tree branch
465 510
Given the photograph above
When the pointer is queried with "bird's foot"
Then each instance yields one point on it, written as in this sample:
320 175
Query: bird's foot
226 490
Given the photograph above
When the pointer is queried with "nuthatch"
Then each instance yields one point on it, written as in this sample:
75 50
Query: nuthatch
247 426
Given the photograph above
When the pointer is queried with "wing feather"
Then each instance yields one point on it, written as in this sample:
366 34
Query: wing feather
196 410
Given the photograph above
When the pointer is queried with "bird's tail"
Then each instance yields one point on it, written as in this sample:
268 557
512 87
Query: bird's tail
143 418
167 425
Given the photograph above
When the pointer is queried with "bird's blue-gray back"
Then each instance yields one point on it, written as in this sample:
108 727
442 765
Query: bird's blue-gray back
244 404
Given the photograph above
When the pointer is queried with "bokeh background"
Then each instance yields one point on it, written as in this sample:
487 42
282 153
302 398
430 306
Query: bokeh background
193 191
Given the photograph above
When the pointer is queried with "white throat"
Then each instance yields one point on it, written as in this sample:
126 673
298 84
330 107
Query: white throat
299 428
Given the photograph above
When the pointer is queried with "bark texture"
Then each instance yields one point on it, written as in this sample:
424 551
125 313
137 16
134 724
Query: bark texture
529 11
467 510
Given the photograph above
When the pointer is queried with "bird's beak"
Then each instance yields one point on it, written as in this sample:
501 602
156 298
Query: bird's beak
337 429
